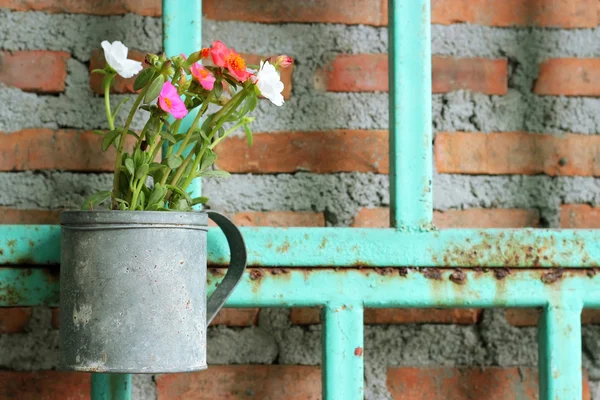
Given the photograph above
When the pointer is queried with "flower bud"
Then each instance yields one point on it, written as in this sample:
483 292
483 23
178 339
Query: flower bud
283 61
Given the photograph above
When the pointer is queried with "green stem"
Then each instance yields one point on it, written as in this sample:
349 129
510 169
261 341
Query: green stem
232 105
227 132
179 171
142 180
109 116
119 156
188 134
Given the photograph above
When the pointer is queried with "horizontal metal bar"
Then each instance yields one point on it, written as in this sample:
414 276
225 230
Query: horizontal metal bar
357 247
371 287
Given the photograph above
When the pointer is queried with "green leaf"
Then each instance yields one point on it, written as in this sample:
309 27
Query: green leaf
174 161
142 171
98 132
130 166
96 199
154 89
249 104
109 138
208 159
248 134
218 88
181 205
138 158
181 192
143 78
199 200
132 133
99 71
158 192
169 137
215 174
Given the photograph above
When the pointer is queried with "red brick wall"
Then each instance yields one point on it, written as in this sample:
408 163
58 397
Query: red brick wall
44 72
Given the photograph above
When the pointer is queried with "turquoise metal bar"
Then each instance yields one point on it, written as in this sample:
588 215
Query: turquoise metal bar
111 386
559 346
353 247
371 287
409 36
182 33
342 338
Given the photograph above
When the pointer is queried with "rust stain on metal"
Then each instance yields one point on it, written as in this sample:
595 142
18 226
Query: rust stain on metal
510 249
323 243
552 276
384 271
256 274
217 271
432 273
501 273
358 352
458 277
284 247
403 271
31 243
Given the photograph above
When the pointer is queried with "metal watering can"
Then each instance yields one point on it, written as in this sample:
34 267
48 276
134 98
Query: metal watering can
133 289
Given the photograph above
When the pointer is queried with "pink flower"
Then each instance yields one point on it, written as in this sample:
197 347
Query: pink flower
169 101
219 53
237 66
206 79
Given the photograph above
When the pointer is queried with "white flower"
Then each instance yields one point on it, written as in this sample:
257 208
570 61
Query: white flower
116 56
269 83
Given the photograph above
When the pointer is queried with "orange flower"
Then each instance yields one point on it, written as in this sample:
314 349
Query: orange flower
237 66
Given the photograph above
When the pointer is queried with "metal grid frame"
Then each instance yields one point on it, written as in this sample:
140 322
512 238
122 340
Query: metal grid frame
410 265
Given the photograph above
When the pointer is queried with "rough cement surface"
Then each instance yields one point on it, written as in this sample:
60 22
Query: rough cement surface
339 196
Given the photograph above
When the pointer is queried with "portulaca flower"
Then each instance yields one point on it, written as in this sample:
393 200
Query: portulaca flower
116 56
269 83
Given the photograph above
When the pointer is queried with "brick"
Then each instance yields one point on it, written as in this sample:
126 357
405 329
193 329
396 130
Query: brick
14 319
569 77
545 13
471 218
523 317
265 382
55 322
517 153
122 85
34 71
15 216
280 218
236 317
44 385
369 73
373 12
40 149
321 152
464 383
579 216
283 219
150 8
374 316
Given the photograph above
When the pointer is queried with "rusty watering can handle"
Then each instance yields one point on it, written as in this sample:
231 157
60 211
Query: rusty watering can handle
237 264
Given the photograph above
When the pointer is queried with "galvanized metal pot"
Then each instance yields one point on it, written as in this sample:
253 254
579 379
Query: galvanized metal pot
133 289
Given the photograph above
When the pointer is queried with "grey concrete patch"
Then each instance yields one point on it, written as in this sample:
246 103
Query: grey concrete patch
240 346
143 387
35 349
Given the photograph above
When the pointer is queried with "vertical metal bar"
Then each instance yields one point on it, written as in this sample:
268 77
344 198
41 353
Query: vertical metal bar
342 338
409 35
111 386
182 33
559 344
